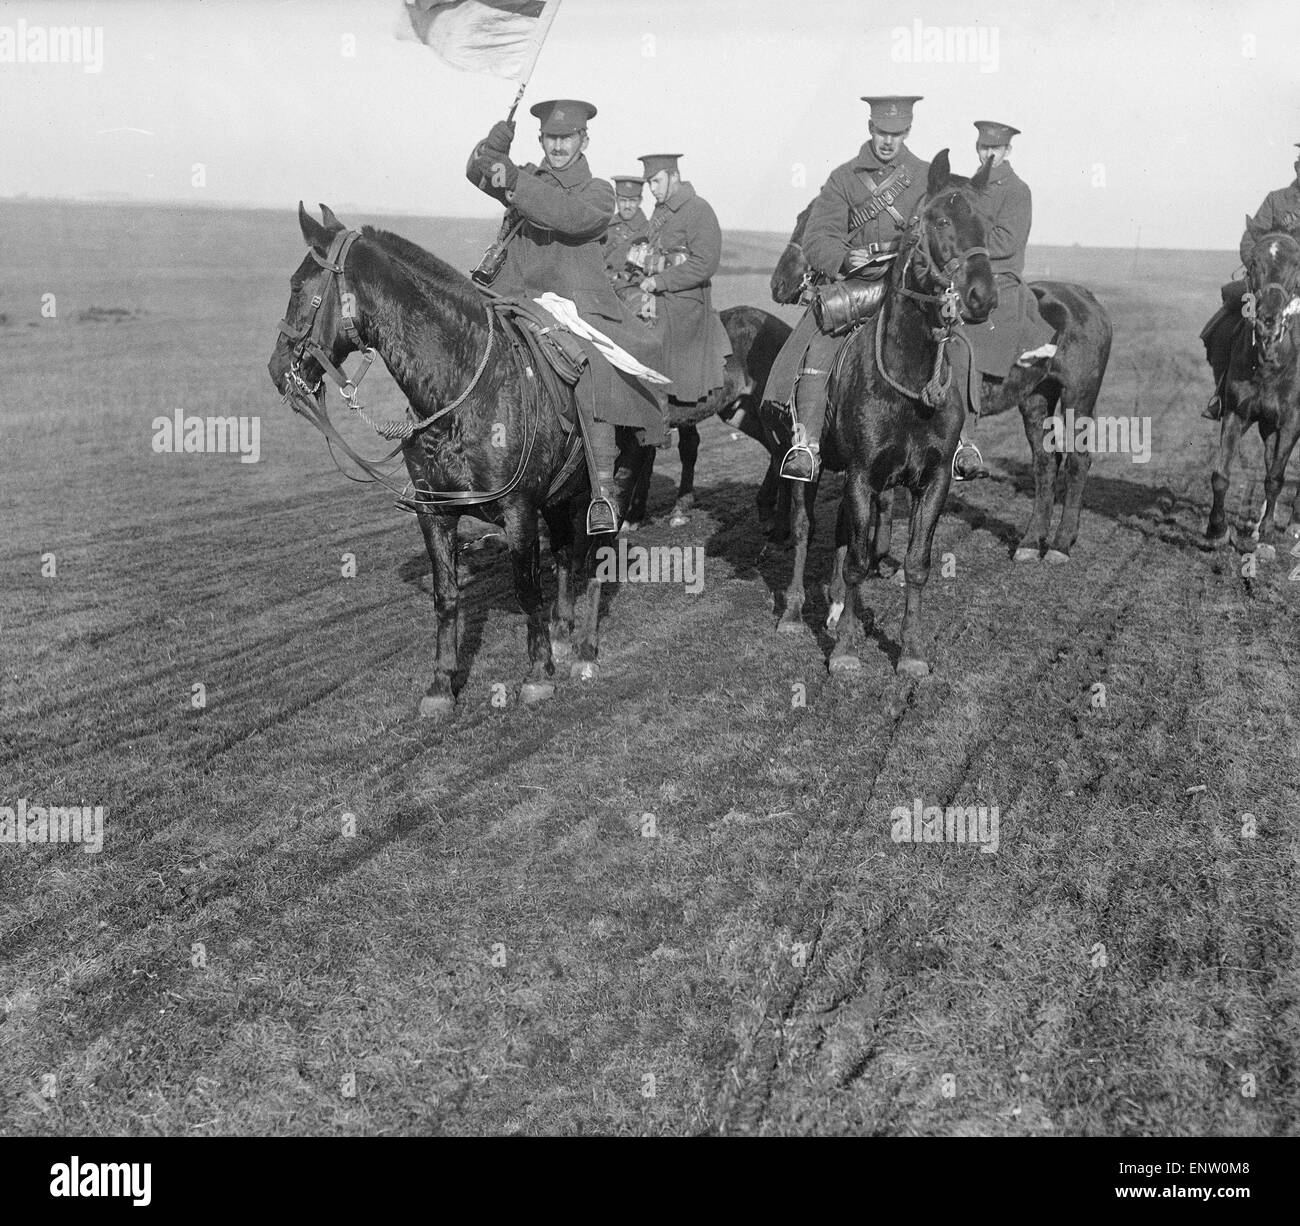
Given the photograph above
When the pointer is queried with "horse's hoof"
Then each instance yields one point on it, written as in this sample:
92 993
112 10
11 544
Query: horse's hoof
536 691
1293 530
833 614
843 665
899 579
1025 554
437 706
790 625
1056 557
629 526
585 670
561 651
1266 553
913 666
1217 539
679 520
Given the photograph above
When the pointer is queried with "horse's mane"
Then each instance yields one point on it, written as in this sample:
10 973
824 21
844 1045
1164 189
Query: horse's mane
426 266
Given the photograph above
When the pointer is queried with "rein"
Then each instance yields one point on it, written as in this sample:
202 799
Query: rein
307 399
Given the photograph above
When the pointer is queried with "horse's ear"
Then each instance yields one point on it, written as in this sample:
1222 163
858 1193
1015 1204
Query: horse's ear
940 173
327 216
1252 228
981 177
315 234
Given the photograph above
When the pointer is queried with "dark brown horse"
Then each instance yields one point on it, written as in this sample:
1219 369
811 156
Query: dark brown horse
891 420
504 451
756 338
1072 380
1263 384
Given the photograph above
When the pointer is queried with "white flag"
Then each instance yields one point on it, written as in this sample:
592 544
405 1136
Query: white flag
498 37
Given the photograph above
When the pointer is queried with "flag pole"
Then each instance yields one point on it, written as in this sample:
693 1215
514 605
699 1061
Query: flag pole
544 28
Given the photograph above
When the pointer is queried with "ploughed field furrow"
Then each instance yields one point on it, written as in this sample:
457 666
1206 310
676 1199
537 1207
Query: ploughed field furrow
233 658
455 801
748 1085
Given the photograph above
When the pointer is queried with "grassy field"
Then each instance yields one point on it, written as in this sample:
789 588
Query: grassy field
666 903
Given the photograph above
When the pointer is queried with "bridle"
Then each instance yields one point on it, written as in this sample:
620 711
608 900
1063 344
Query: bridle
1250 310
918 261
308 339
948 299
305 397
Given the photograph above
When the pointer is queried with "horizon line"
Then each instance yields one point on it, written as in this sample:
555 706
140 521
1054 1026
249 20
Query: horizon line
112 199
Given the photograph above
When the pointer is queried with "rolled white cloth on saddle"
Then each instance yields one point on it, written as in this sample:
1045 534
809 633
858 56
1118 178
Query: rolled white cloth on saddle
564 312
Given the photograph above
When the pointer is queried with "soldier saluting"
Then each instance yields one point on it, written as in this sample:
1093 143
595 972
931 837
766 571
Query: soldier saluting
684 228
558 214
854 229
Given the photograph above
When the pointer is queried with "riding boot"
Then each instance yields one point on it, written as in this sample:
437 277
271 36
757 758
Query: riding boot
602 453
803 460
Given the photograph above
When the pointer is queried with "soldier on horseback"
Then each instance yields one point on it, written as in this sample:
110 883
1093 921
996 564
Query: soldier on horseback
854 232
557 215
1279 212
1015 332
684 251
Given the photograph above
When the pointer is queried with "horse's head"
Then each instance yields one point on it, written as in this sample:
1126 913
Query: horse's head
318 323
947 258
1273 274
789 278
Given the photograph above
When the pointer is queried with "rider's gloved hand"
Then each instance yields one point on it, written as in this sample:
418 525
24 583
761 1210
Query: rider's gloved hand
855 260
498 140
496 169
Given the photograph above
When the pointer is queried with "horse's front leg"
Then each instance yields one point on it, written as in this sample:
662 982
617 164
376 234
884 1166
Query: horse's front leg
880 562
855 513
927 505
525 561
688 449
593 556
559 520
1277 453
439 531
1216 531
801 524
836 594
1034 411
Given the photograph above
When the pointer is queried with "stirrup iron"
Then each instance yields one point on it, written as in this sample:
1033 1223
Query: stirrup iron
789 455
593 509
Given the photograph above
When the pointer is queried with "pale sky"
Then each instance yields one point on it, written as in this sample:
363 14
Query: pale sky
1175 118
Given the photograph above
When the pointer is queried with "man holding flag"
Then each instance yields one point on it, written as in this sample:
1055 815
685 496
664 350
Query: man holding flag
557 215
562 214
